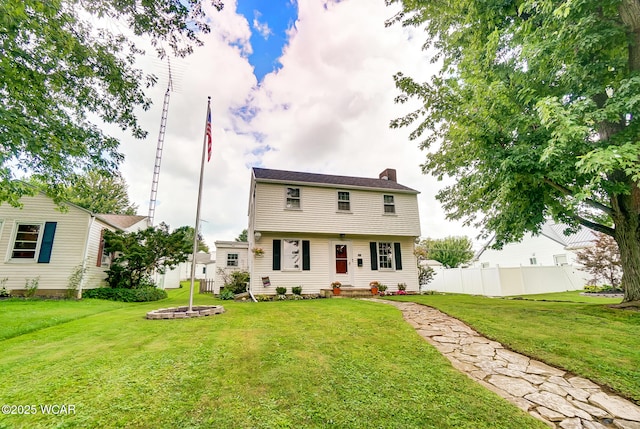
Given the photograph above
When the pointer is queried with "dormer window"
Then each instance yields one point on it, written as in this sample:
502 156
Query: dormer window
389 204
344 202
293 198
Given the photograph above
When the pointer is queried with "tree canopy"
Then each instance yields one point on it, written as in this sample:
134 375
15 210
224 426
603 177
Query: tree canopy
140 253
100 193
243 236
451 252
602 260
61 74
535 114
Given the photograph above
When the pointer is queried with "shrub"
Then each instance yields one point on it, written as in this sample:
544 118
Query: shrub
143 294
402 286
31 285
280 290
3 288
75 279
382 287
296 290
227 294
236 281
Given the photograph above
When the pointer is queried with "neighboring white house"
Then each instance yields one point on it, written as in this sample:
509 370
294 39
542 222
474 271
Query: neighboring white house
550 247
230 256
311 230
544 263
40 243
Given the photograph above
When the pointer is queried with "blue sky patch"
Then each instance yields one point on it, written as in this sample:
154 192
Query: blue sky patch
269 21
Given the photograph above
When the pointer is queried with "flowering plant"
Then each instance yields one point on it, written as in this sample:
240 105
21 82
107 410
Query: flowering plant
336 284
258 251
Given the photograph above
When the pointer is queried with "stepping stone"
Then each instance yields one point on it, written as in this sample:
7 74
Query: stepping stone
594 411
617 406
512 357
582 383
571 424
479 350
514 386
551 415
624 424
540 368
556 403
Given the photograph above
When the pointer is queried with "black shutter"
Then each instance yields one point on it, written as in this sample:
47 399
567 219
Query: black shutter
276 255
306 257
398 255
47 242
373 247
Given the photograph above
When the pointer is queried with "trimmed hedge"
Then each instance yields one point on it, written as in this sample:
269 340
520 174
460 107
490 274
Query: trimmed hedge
143 294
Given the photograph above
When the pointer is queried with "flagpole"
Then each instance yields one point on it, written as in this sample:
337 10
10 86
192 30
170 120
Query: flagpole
197 228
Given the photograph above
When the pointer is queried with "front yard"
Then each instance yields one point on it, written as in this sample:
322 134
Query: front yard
581 334
312 363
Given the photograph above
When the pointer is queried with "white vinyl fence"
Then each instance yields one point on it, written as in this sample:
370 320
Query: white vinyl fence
503 281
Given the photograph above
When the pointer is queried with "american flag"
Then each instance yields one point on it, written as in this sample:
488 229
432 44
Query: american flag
208 133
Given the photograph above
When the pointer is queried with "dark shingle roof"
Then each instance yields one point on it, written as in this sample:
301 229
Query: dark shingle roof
283 176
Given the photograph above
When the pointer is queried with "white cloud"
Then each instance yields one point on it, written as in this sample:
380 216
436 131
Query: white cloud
327 110
262 28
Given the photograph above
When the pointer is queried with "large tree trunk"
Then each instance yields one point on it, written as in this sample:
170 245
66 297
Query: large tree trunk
626 216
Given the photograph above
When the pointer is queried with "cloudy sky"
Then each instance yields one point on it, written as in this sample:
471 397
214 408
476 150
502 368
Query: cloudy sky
300 85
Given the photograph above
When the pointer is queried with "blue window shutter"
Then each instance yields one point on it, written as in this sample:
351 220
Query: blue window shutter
306 256
276 255
47 242
398 255
373 247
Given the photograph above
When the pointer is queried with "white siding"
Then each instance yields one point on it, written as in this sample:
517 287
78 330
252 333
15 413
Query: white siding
319 212
68 245
223 248
542 248
322 271
95 276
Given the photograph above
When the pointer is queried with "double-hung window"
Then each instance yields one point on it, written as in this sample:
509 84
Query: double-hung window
344 201
385 255
389 204
26 241
291 255
293 198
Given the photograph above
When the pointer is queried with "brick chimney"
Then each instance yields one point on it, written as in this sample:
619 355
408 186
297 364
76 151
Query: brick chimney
389 174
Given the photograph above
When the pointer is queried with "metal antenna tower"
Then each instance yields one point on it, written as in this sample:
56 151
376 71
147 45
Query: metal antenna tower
156 168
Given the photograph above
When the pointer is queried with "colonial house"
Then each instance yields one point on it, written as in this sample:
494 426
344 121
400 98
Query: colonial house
45 246
310 230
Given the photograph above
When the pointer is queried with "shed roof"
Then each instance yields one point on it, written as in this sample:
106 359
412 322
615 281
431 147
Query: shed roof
121 221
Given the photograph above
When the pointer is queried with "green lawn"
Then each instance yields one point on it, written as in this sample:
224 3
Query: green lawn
312 363
586 338
572 296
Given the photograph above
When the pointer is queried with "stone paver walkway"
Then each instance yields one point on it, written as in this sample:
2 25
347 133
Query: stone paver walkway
557 398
